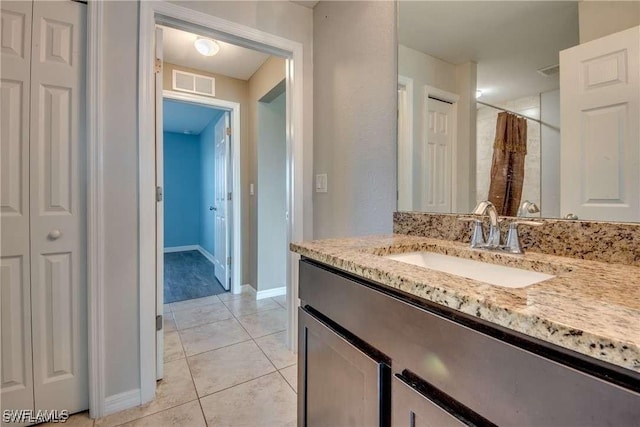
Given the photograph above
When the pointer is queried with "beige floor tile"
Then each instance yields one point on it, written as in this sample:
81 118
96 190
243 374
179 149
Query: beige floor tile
212 336
196 316
281 299
249 305
291 375
247 292
166 308
187 415
265 322
219 369
267 401
172 347
175 389
168 322
275 347
196 302
80 419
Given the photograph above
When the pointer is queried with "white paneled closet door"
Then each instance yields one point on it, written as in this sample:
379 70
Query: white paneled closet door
15 291
52 191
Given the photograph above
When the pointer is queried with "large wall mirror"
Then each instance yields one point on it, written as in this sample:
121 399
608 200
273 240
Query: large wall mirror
533 105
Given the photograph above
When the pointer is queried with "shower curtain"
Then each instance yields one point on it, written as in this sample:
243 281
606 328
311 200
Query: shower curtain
507 166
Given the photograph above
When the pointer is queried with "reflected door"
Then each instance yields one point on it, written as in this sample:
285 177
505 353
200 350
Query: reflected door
600 150
437 156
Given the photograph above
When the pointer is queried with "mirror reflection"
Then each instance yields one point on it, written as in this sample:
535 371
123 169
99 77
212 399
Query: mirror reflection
532 105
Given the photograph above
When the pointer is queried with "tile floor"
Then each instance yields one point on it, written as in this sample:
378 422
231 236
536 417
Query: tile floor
226 364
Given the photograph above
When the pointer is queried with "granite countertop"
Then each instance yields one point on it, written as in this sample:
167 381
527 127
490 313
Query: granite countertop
590 307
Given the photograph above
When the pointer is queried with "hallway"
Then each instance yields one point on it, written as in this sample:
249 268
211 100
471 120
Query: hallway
226 364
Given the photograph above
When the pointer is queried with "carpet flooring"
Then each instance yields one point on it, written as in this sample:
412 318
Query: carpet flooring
189 275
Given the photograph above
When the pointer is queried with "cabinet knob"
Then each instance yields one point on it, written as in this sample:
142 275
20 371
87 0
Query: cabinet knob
54 234
571 216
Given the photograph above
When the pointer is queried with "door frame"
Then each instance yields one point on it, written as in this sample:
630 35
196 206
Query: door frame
408 148
161 12
236 174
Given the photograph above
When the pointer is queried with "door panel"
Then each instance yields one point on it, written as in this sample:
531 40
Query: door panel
437 156
221 252
58 248
15 291
600 150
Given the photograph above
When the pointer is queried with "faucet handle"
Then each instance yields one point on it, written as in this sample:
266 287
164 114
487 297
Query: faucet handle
512 245
477 237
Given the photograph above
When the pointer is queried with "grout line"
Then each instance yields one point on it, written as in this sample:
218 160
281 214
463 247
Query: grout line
217 348
287 382
236 385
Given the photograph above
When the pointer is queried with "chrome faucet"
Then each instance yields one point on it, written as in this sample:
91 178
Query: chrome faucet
486 207
512 244
528 207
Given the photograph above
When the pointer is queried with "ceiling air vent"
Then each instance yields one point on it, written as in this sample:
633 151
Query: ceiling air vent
550 70
194 83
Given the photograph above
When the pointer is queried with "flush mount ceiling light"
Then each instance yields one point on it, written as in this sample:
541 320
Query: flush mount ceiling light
478 93
206 47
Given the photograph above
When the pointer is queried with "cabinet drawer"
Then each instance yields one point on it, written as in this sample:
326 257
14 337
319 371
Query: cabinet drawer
339 384
503 383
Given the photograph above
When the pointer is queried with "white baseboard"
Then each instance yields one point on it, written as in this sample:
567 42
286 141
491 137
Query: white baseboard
269 293
181 248
121 401
205 253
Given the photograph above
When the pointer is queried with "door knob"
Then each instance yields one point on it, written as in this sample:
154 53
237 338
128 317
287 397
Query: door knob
54 234
571 216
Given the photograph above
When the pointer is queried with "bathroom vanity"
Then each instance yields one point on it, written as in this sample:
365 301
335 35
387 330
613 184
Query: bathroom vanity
385 342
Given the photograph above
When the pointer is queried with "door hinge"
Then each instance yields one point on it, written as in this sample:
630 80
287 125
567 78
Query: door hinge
158 194
159 322
157 66
228 196
228 131
228 260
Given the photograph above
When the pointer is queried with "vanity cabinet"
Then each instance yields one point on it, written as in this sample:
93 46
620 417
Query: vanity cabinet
345 385
447 368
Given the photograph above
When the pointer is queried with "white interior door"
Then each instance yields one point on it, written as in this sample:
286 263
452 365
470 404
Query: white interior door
57 206
159 206
222 238
15 293
437 156
600 150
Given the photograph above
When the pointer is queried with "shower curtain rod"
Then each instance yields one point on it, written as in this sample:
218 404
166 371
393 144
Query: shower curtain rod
520 115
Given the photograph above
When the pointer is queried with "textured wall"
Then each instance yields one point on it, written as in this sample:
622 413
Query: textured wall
181 189
355 105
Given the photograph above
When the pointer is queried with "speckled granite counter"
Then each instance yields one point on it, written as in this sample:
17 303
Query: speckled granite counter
590 307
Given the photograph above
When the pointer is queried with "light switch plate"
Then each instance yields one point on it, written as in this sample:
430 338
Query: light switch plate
321 183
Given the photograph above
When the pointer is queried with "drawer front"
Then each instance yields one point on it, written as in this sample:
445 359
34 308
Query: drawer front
501 382
410 408
339 384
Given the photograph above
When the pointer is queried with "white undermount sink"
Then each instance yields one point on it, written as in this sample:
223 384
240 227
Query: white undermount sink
499 275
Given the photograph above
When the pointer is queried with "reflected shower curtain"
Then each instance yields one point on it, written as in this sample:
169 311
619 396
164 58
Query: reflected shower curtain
507 167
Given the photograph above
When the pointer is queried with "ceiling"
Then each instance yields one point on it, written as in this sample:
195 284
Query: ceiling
509 40
306 3
182 117
231 60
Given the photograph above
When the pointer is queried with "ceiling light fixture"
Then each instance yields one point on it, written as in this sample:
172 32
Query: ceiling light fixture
206 47
478 93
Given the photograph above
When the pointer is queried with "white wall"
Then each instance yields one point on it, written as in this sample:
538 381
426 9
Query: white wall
271 194
550 155
355 97
601 18
120 80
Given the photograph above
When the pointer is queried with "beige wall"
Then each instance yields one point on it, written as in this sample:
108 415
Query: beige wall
120 161
355 107
261 82
601 18
234 90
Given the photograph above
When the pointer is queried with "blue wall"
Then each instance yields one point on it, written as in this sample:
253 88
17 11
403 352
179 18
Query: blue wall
181 189
207 189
